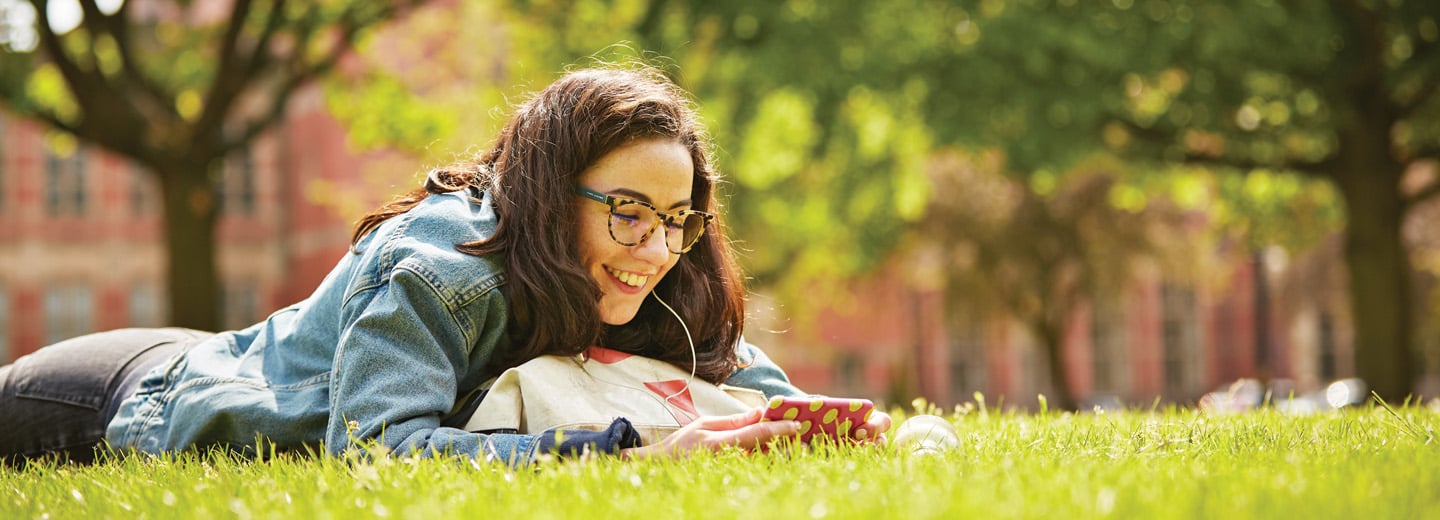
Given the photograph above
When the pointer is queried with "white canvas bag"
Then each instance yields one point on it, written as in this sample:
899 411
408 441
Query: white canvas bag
590 391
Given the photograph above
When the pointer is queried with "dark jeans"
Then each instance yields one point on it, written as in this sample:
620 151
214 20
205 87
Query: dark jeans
58 400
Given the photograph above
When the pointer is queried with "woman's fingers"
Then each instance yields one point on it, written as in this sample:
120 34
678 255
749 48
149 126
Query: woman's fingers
751 436
875 428
729 422
743 430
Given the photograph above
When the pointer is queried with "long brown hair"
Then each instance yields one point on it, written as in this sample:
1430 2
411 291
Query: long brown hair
531 172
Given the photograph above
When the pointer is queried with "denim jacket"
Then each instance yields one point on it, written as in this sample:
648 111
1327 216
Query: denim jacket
381 350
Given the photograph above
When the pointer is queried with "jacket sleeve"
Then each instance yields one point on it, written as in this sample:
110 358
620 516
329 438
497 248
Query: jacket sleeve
398 367
758 372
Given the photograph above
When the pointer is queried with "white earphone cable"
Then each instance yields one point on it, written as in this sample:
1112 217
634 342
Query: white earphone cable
665 401
694 358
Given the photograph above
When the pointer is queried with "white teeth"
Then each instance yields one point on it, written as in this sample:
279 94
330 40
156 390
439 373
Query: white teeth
631 279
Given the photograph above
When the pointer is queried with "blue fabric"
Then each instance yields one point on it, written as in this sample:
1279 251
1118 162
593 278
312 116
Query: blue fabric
57 401
574 443
758 372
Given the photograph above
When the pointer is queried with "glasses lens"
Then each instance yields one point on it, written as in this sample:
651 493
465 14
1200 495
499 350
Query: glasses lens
630 221
677 236
694 226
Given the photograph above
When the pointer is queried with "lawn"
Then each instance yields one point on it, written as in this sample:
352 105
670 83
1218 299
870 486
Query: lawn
1367 462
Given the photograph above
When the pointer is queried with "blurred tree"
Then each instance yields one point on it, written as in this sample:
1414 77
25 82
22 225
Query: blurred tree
1422 233
432 85
1342 90
175 86
1036 252
828 107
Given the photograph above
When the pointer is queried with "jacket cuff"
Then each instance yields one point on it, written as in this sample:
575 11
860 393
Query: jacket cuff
575 443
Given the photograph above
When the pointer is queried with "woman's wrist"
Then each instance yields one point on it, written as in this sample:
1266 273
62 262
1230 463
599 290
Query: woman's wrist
638 452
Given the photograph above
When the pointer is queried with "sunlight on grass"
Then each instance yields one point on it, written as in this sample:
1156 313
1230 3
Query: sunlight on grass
1372 462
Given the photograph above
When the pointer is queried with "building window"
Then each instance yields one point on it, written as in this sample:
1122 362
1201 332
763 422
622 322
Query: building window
849 372
69 312
6 355
1222 341
65 184
1327 346
967 357
237 186
1181 343
1107 345
239 305
1034 368
3 191
144 193
145 308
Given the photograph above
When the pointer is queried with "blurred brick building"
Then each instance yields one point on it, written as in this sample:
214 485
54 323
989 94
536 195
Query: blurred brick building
1267 320
81 239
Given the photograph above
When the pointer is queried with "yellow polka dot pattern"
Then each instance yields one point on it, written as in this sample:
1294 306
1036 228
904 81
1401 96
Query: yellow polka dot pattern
821 417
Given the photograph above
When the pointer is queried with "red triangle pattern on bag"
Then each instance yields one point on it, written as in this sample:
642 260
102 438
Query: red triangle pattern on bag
605 355
676 392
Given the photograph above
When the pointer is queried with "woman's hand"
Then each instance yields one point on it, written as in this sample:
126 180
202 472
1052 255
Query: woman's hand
744 431
873 431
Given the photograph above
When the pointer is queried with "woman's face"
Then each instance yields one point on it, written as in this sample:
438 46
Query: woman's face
658 171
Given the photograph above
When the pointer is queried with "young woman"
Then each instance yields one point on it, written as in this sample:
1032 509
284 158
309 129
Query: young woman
595 202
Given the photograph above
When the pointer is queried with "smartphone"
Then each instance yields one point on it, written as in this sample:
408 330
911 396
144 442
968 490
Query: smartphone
820 417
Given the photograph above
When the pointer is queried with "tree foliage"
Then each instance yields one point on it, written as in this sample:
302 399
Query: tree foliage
1037 256
175 86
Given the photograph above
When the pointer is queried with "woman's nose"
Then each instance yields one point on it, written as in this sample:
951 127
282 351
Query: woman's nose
654 249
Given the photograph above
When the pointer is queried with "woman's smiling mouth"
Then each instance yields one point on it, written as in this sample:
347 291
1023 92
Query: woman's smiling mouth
628 278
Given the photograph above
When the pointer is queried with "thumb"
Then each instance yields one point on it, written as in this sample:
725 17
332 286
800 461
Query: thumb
730 422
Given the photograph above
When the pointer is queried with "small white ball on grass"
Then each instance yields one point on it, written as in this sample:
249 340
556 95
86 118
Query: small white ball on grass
927 434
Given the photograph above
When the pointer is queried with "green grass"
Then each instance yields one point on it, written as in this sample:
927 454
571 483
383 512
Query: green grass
1369 462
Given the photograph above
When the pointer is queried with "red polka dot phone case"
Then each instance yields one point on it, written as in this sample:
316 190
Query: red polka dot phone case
820 416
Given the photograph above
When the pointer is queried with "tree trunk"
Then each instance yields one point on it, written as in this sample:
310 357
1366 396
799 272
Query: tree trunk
190 216
1369 178
1062 398
1378 268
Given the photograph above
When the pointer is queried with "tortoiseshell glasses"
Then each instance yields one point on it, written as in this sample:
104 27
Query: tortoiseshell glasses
632 221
